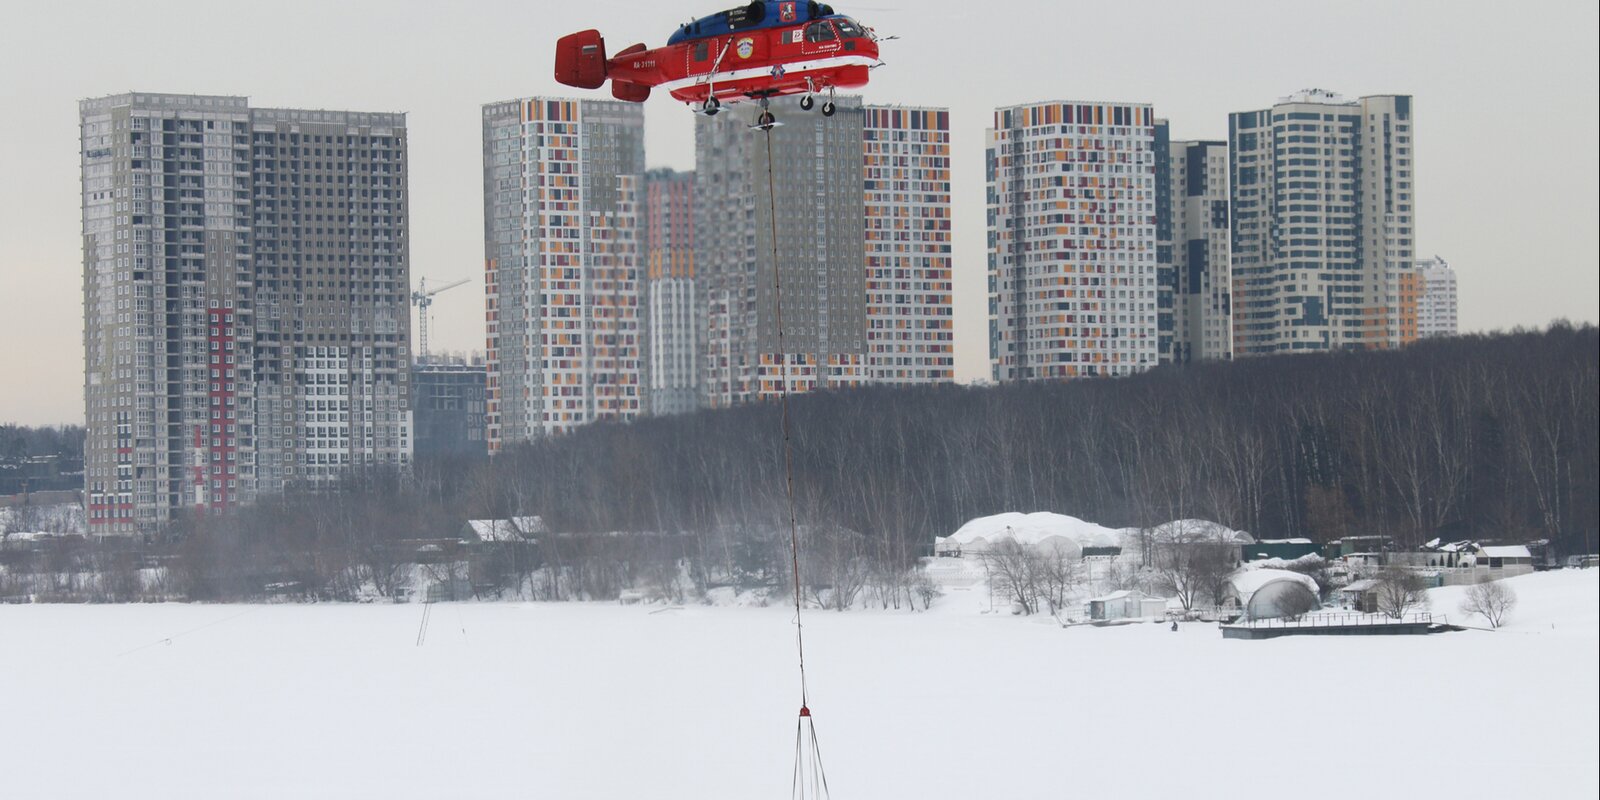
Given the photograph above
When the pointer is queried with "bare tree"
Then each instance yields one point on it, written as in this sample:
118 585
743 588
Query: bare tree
1328 513
1192 565
448 574
836 561
1014 569
1120 574
924 587
1059 575
116 577
24 518
1466 437
1491 599
1399 591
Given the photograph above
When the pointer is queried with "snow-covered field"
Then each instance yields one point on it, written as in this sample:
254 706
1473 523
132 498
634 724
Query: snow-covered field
591 701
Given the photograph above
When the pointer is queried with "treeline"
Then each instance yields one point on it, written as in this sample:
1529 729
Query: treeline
386 535
18 442
34 459
1483 437
1490 437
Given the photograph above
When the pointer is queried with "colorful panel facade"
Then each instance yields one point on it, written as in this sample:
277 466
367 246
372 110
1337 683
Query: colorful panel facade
910 323
1072 241
562 183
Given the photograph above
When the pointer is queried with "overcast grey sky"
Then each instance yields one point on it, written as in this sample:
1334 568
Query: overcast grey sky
1506 105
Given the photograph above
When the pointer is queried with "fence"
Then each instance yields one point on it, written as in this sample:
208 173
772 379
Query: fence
1344 620
1466 576
1336 625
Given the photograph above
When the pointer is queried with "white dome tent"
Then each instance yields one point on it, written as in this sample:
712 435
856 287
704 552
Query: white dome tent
1196 530
1067 535
1272 593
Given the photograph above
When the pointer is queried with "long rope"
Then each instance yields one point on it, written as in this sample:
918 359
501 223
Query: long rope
788 450
422 627
168 639
813 779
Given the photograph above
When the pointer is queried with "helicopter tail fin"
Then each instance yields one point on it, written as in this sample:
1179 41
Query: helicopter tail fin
631 92
581 60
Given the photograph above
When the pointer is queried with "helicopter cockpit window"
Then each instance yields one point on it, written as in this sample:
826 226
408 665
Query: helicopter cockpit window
820 31
746 16
850 30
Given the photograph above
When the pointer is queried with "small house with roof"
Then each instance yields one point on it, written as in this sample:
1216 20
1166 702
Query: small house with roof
1502 557
1125 604
510 530
1286 549
1361 595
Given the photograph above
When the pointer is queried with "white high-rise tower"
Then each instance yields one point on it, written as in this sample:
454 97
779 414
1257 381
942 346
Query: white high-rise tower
1436 306
1324 203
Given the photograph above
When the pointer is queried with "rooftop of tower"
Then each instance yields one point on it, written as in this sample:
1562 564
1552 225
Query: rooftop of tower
1318 96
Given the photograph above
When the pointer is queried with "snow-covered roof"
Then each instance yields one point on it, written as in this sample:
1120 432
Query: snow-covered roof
1505 551
1198 530
1296 540
506 530
1307 561
27 536
1033 529
1360 586
1045 528
1117 595
1249 581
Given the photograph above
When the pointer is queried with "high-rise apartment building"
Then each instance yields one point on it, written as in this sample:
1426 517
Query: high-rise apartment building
862 303
1436 305
332 293
910 327
245 301
816 174
1072 240
561 186
671 327
1193 251
1323 215
728 274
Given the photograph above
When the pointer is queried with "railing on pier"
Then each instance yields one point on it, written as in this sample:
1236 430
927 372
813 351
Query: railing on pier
1342 620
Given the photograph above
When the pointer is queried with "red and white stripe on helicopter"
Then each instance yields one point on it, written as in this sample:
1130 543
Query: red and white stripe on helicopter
768 48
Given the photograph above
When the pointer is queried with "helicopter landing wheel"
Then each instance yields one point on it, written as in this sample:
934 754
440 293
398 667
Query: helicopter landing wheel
766 120
806 103
711 106
828 109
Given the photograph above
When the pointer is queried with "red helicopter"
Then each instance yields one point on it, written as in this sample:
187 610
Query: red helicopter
765 49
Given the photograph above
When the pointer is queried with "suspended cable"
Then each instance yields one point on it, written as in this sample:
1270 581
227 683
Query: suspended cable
168 639
809 779
422 627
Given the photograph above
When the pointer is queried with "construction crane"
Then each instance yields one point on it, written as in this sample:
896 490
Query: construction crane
422 298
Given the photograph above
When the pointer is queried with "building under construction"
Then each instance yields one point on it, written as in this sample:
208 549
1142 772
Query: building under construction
246 325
